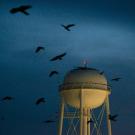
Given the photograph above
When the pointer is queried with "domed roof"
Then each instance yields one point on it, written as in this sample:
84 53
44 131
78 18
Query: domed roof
86 77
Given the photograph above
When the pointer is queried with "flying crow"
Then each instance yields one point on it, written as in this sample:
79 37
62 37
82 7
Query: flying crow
116 79
39 48
40 100
82 68
90 121
67 27
49 121
101 73
7 98
52 73
113 117
58 57
21 9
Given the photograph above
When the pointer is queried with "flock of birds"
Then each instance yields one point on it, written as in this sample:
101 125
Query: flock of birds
23 9
58 57
42 99
111 117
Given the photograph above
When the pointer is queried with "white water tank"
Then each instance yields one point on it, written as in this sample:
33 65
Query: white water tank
94 86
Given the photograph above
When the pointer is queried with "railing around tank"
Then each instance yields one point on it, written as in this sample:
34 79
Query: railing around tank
84 85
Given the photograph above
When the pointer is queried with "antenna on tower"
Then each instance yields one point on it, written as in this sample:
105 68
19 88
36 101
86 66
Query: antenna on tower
85 63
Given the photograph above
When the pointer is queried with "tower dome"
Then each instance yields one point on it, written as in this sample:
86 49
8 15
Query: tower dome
93 84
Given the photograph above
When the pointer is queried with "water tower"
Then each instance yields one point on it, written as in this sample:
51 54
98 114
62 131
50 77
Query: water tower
85 89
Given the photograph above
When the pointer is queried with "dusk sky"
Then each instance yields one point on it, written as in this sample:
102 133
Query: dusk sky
104 36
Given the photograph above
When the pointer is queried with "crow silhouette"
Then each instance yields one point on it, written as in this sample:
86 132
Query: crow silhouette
21 9
67 27
113 117
7 98
116 79
49 121
101 73
53 73
40 100
58 57
90 121
39 48
82 68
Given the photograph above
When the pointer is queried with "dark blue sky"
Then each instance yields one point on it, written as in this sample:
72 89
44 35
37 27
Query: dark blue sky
103 35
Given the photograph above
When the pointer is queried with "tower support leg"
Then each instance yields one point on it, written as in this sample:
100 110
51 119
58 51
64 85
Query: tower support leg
85 121
88 119
108 113
61 117
81 112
